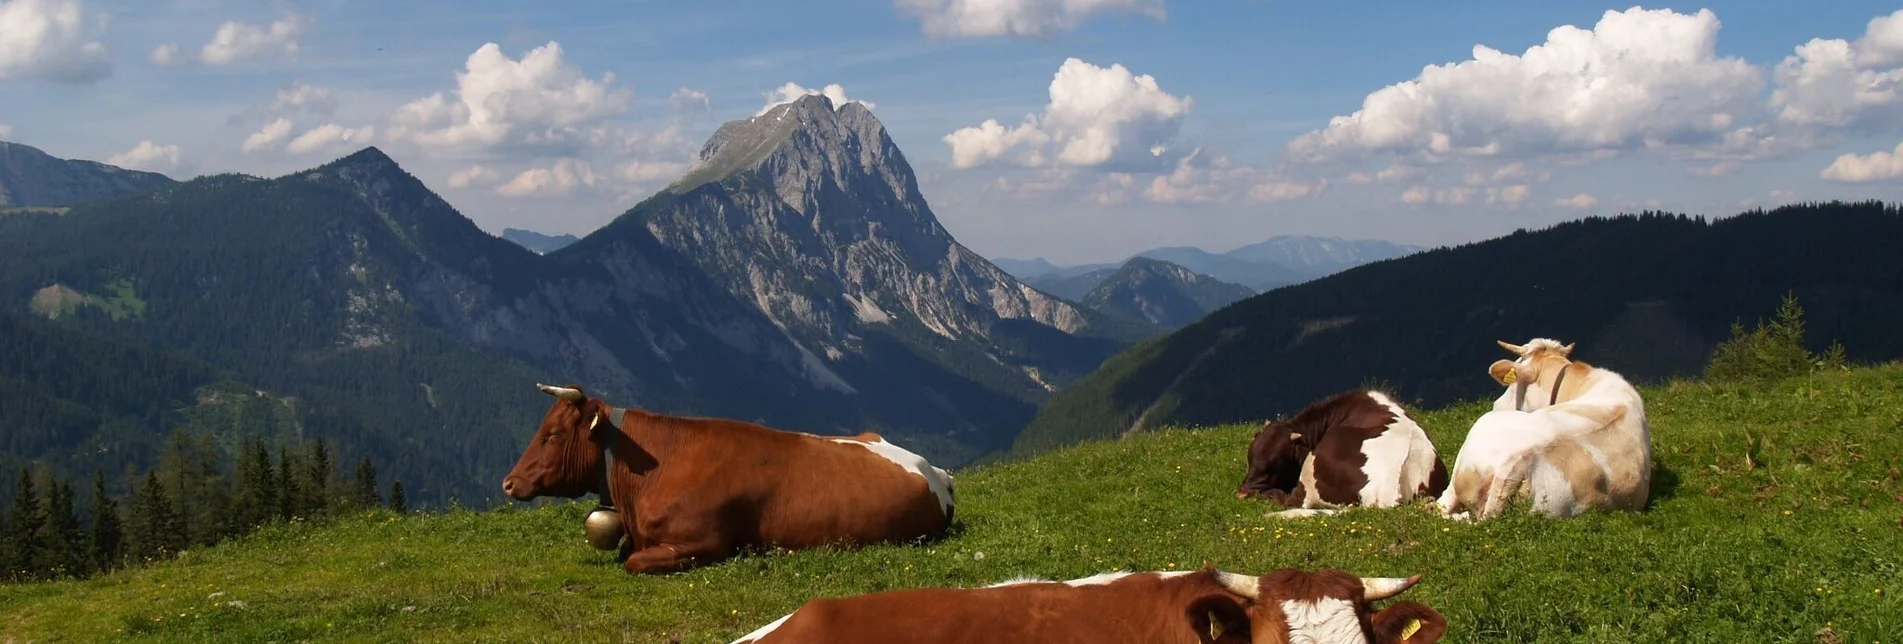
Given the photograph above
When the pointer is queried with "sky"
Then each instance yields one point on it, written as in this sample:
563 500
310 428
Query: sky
1074 130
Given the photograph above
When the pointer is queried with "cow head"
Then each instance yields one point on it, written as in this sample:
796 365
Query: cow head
1326 607
564 457
1275 459
1538 359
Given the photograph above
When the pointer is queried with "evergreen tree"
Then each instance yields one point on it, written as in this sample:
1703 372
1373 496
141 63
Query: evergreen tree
289 496
61 535
26 533
156 531
210 493
398 504
317 483
103 545
366 492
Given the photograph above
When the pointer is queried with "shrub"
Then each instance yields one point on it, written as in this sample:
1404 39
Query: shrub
1771 351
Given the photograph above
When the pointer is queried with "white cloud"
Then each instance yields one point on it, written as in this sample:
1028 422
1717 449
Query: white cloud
330 136
1579 201
646 172
5 130
53 41
1509 196
1876 166
1201 178
558 180
269 137
1097 115
1833 83
539 101
971 18
1719 169
1417 195
305 97
793 91
471 175
690 104
166 55
147 156
237 42
1639 78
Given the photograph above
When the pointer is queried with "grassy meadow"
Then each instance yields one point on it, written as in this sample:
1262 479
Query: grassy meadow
1777 516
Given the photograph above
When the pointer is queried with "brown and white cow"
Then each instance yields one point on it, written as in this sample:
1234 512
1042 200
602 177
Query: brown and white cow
1357 447
1181 607
692 491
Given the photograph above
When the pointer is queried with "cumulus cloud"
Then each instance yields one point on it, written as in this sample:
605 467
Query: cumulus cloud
5 130
1420 194
647 172
558 180
471 175
1638 78
1876 166
330 136
540 101
166 55
236 42
793 91
53 41
1579 201
300 96
1031 18
1200 177
267 138
1834 83
1096 116
147 156
691 104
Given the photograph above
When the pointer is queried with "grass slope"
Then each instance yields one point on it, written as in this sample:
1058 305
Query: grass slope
1805 534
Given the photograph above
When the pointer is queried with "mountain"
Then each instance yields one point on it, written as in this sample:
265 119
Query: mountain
1646 295
30 178
1026 269
1320 256
1071 287
538 242
1258 275
795 276
1161 293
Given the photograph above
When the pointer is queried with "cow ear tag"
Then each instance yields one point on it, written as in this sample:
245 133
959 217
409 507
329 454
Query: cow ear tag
1413 626
1215 626
1511 375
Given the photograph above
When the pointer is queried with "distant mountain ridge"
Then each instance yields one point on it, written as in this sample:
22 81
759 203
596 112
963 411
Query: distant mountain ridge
30 177
1262 266
1661 291
1161 293
538 242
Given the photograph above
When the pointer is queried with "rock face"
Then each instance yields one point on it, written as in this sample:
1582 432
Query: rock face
1161 293
32 178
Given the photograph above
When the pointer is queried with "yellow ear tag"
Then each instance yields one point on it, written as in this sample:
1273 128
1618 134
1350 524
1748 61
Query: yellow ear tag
1215 626
1413 626
1510 377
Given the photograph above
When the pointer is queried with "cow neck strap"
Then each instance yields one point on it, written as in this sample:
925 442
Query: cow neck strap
606 496
1554 399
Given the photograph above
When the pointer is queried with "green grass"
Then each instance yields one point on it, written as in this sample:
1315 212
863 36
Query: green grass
1778 511
59 300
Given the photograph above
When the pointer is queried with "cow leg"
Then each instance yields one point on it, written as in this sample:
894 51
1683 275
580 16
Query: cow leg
627 548
666 557
1506 483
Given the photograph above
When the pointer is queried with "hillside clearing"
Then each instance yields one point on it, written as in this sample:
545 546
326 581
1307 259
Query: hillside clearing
1769 543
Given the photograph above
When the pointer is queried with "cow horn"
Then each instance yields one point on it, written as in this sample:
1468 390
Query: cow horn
563 393
1379 588
1516 349
1568 349
1243 585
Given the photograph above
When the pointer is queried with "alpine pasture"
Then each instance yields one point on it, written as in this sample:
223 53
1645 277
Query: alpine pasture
1776 516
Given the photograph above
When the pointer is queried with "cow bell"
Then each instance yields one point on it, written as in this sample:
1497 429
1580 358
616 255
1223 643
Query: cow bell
603 526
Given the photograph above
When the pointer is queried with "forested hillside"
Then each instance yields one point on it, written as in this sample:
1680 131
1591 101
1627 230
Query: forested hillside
1646 295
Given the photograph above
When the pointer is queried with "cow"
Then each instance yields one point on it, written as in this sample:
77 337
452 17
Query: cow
1357 447
1203 606
1572 436
692 491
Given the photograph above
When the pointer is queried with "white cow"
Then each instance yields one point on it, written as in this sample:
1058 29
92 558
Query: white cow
1573 434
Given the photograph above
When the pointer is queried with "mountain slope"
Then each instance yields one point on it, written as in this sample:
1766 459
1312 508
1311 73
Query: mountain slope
1071 287
811 215
1647 296
538 242
1161 293
30 177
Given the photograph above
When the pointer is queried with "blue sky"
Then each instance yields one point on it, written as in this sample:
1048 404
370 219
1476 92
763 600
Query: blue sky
1114 125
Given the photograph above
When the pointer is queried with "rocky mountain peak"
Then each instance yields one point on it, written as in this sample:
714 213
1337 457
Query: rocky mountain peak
29 177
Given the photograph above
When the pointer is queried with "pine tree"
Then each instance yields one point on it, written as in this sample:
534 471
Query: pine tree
289 496
398 504
60 534
156 531
366 493
211 493
26 531
317 482
104 544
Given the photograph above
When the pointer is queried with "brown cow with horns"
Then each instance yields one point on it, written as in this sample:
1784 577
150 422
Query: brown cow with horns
692 491
1206 606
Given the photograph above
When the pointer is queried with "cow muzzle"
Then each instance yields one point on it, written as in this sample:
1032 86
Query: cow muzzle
603 527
